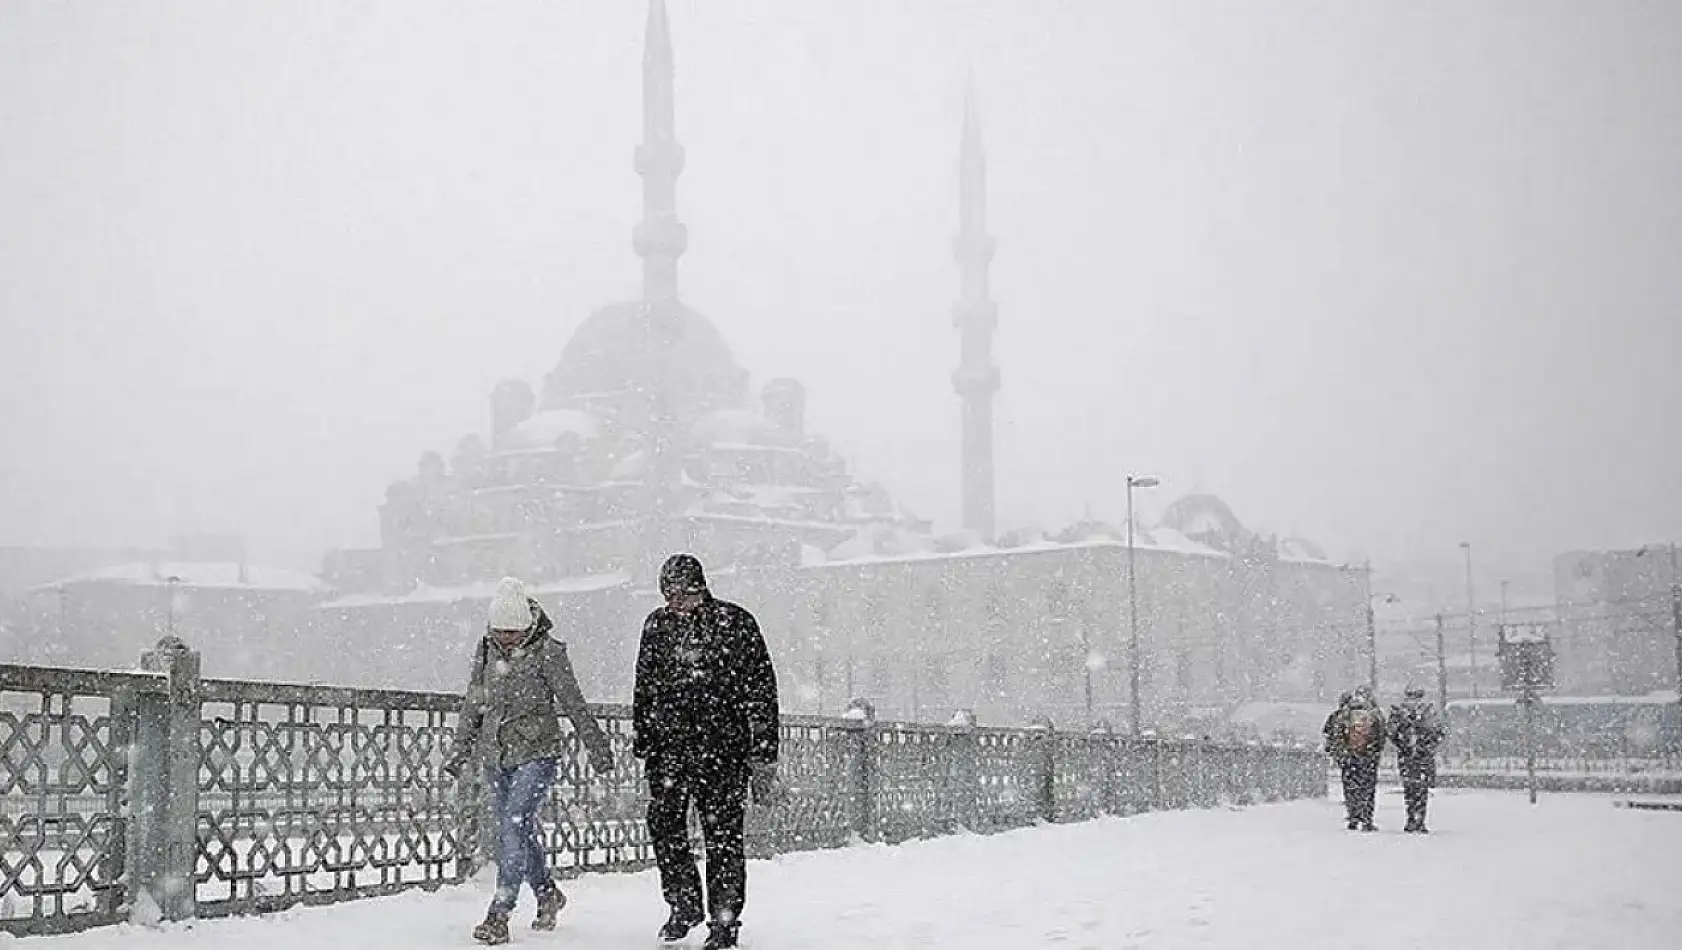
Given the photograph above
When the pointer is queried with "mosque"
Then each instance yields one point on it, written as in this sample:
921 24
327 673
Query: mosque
647 438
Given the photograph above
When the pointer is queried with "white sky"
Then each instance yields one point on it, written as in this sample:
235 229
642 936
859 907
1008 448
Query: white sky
1386 275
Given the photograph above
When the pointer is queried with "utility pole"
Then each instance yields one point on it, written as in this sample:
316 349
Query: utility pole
1086 668
1471 619
1442 668
1135 711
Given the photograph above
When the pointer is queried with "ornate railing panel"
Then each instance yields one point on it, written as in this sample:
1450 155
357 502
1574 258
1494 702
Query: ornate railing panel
819 765
596 822
1007 788
64 760
313 794
913 794
1082 773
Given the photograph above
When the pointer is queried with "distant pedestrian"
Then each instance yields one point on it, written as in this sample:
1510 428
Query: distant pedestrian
706 721
1416 730
520 681
1355 734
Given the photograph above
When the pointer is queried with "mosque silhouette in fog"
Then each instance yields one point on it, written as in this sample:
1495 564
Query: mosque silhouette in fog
647 438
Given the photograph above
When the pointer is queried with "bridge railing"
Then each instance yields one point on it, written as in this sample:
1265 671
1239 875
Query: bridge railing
159 794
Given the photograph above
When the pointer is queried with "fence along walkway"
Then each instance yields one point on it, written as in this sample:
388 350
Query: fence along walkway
138 795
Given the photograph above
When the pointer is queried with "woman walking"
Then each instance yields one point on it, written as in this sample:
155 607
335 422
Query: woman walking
521 680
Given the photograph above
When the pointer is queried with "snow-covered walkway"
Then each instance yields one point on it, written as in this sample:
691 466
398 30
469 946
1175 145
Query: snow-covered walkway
1572 872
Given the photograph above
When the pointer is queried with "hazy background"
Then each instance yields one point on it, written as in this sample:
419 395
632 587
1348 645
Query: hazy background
1386 275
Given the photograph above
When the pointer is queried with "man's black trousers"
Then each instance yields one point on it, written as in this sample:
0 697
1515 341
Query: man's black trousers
718 790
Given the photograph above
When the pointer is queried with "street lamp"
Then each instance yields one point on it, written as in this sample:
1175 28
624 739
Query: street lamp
1471 619
1372 621
1134 481
171 585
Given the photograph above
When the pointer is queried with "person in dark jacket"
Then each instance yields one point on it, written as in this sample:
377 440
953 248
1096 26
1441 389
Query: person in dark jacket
705 717
1355 735
509 725
1416 730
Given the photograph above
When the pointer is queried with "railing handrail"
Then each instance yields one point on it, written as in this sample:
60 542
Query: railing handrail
54 679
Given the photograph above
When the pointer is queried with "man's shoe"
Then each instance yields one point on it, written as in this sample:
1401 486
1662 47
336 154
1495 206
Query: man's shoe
548 908
678 926
721 937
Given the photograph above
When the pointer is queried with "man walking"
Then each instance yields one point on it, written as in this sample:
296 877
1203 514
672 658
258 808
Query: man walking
705 715
1416 730
1355 735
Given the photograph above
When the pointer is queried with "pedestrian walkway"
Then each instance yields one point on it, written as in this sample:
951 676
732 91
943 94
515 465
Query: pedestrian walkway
1574 871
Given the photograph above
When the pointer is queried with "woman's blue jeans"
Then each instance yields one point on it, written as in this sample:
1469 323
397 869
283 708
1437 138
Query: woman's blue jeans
516 794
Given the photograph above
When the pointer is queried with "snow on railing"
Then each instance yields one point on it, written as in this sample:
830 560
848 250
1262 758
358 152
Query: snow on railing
160 794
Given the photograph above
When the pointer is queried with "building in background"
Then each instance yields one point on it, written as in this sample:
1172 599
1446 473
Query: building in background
1617 627
251 621
646 438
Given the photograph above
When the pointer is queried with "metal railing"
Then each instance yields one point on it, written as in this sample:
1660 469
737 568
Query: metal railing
1572 765
159 794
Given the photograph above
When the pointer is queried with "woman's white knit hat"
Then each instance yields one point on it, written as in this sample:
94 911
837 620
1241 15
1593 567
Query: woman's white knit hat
510 607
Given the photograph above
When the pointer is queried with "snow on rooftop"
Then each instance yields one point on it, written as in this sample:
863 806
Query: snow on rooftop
543 428
732 427
1656 698
901 546
482 590
1163 538
1301 551
197 574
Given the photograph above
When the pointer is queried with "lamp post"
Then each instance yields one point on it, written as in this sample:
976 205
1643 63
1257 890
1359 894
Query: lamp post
1503 614
1471 619
170 586
1372 621
1134 481
1676 616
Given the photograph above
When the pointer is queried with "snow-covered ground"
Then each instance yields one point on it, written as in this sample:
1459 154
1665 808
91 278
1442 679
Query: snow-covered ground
1571 872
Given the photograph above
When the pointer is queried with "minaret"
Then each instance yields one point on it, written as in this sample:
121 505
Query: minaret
659 238
977 379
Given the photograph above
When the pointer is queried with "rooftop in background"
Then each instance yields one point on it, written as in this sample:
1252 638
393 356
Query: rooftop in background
201 575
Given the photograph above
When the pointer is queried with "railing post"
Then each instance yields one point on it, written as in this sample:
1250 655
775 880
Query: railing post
964 771
864 784
1100 747
117 863
1045 767
476 824
165 778
1158 802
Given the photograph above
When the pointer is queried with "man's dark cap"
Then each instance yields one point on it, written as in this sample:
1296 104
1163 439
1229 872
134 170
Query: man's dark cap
682 574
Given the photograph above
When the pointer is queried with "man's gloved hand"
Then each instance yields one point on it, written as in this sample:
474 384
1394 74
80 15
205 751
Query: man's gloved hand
763 784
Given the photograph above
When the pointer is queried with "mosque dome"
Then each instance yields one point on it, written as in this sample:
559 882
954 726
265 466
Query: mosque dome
643 347
1207 520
